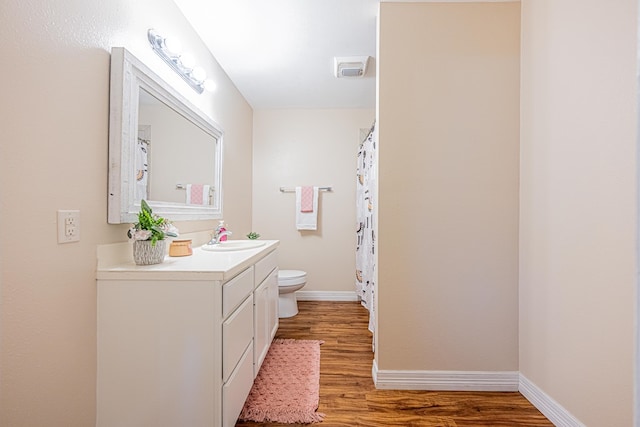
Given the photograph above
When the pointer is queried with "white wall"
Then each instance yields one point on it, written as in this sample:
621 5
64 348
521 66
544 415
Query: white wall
578 221
53 155
448 186
309 147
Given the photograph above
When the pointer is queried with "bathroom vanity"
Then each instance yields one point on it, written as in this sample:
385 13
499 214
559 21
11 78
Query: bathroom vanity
180 343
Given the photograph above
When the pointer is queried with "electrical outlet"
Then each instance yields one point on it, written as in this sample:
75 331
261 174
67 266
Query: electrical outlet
68 226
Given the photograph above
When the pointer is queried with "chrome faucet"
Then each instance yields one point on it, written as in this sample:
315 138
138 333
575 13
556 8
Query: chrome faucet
215 238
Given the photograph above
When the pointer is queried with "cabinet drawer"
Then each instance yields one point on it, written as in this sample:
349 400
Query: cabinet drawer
237 333
236 290
265 266
236 390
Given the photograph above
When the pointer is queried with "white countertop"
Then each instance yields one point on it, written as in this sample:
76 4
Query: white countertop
202 265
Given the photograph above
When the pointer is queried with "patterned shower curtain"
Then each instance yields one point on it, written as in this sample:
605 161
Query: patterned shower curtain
365 205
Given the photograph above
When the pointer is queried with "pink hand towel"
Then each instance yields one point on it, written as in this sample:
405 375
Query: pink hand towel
307 220
198 194
306 199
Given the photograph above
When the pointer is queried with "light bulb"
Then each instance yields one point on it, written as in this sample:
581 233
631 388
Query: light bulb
187 60
173 46
210 85
199 74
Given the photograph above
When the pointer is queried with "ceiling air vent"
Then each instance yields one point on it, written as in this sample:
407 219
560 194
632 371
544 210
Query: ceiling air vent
350 66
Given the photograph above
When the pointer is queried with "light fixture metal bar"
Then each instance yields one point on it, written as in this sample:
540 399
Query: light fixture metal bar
158 44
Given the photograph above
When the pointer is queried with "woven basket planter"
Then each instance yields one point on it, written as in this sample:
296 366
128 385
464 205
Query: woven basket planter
145 253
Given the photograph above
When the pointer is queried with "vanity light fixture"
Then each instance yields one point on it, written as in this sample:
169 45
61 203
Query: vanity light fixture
183 64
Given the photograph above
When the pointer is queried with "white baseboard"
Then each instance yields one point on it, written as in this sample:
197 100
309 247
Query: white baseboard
445 380
551 409
475 381
326 296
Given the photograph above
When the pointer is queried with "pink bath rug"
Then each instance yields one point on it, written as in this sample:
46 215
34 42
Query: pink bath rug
287 387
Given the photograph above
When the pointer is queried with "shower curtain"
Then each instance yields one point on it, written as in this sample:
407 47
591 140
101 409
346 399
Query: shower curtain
365 205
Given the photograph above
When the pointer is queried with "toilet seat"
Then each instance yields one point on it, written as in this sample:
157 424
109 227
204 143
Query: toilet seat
291 277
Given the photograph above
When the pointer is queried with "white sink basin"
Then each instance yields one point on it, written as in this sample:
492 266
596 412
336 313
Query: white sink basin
233 245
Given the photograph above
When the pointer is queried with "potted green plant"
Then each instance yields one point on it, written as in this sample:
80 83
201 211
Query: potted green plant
253 236
148 235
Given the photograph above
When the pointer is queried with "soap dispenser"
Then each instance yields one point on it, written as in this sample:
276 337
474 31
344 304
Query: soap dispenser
221 228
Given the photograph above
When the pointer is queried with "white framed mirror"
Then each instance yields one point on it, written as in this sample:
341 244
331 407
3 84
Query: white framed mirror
161 148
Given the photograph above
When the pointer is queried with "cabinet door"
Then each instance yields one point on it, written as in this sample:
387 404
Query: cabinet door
265 317
260 316
274 318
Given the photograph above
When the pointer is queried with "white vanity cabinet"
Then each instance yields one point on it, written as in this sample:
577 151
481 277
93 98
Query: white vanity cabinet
180 343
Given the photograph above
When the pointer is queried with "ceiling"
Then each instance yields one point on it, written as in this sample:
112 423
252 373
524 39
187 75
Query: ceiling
279 53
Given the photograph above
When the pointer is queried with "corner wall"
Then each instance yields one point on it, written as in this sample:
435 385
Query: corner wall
448 186
578 204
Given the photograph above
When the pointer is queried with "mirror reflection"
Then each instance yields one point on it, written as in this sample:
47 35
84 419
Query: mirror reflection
170 143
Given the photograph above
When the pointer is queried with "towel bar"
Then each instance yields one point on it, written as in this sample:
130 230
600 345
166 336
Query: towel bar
292 189
184 187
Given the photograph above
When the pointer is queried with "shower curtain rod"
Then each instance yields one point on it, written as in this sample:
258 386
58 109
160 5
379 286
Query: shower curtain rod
292 189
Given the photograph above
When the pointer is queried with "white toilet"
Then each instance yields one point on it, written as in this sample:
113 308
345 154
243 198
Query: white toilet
289 281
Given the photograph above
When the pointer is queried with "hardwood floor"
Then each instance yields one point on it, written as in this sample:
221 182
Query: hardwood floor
349 398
